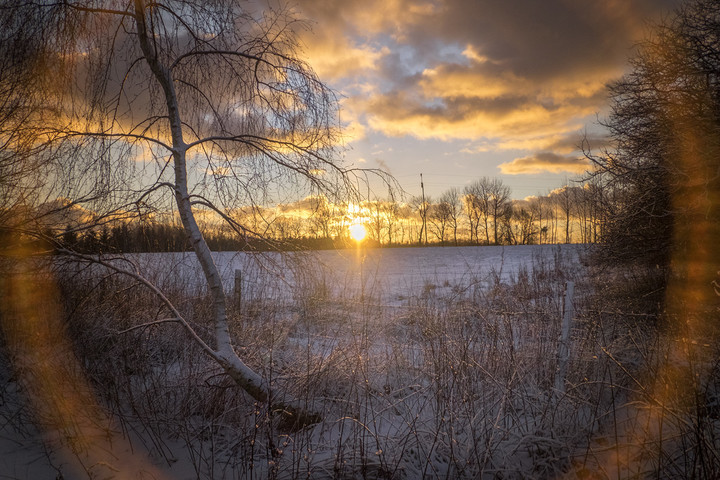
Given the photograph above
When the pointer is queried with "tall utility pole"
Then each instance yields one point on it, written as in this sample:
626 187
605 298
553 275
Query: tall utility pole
424 211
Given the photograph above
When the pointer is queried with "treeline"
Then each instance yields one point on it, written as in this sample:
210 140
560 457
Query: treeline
126 237
481 214
138 236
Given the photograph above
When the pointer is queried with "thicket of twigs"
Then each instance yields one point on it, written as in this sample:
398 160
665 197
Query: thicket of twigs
460 382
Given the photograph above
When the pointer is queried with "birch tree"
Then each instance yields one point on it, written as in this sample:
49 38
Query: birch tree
181 105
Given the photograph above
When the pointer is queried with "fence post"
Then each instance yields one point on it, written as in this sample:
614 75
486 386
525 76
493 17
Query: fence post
238 287
563 353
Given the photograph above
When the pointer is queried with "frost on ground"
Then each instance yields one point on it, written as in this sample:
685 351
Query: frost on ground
447 372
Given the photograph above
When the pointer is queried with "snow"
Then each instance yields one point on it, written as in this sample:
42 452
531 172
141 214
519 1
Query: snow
390 275
423 362
396 416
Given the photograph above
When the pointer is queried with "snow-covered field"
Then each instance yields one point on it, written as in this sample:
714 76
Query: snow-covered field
436 362
366 284
390 275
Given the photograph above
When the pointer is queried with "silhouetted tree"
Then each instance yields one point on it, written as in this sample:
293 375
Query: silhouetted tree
476 200
451 198
439 217
154 106
499 207
660 175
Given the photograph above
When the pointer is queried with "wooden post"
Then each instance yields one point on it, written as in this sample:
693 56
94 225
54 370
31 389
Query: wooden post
563 353
424 211
238 287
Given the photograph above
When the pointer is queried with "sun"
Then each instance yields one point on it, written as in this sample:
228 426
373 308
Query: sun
357 231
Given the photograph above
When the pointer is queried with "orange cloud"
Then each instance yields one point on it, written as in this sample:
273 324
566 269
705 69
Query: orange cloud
545 162
479 70
450 81
334 56
452 101
471 118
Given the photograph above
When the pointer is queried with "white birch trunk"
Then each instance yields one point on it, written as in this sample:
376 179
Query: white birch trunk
224 353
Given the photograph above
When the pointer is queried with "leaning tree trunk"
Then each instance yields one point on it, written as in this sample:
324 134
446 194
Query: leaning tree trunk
223 354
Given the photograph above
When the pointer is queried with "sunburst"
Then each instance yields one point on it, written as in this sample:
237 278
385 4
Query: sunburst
357 231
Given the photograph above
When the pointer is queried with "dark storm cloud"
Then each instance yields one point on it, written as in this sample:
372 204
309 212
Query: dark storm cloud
542 39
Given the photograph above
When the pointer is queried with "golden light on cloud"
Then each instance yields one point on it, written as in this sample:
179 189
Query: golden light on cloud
472 53
334 56
353 131
529 121
411 72
453 82
358 232
562 143
545 162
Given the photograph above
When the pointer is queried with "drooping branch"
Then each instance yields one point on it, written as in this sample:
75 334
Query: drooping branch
223 352
201 88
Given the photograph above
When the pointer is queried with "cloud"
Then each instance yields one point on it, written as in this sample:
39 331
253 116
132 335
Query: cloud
561 143
353 129
334 56
382 165
545 162
512 116
518 74
454 101
538 40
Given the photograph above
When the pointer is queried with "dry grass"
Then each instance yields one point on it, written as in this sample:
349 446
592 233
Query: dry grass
450 385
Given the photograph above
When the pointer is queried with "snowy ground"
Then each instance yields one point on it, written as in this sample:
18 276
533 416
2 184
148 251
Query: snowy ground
424 363
390 275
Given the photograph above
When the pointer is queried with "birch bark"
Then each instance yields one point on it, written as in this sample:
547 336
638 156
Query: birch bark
223 353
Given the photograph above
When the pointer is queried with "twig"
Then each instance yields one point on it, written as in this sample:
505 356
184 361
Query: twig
149 324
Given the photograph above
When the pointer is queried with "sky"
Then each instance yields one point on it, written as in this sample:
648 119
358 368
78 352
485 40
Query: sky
461 89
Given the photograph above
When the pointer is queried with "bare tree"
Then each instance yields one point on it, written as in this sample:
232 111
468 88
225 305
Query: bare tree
438 217
321 216
452 199
499 206
660 171
444 215
477 208
563 200
378 221
537 211
596 202
205 104
391 210
25 167
405 216
420 206
471 205
525 231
